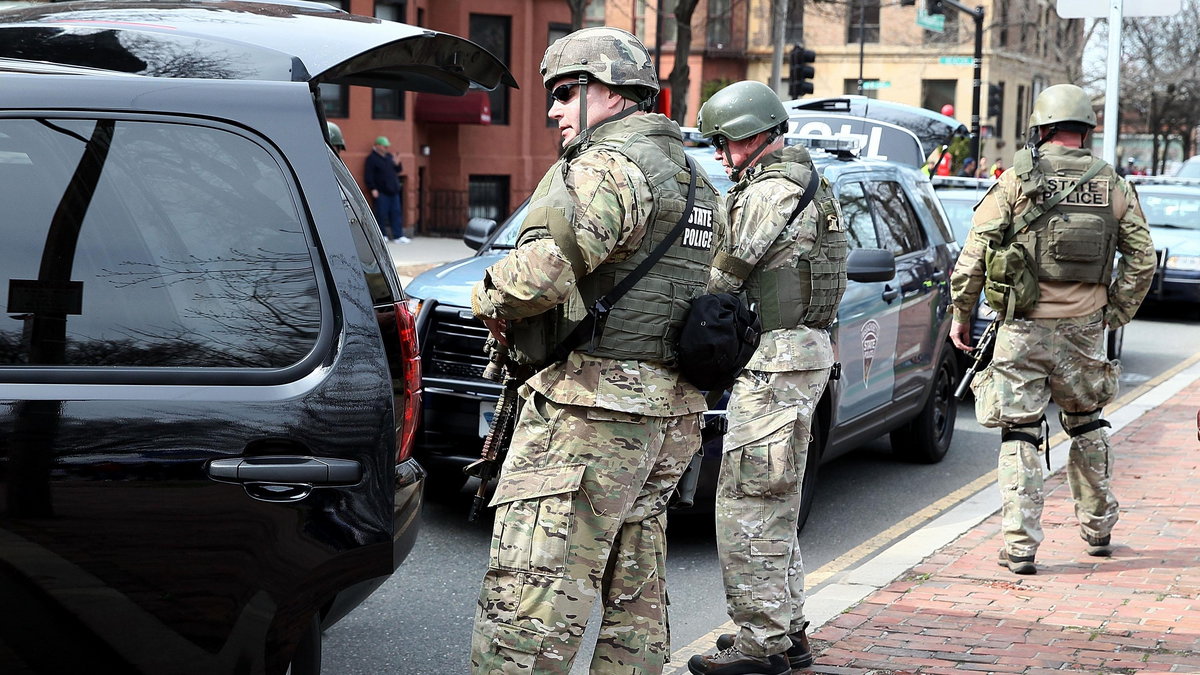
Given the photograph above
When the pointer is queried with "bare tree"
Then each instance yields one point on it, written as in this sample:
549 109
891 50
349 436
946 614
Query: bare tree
680 78
577 7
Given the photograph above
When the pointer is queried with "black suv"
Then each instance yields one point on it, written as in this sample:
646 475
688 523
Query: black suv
898 368
209 375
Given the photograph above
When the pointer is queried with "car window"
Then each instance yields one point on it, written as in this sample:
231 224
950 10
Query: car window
899 230
1171 210
150 244
960 208
367 243
929 198
856 211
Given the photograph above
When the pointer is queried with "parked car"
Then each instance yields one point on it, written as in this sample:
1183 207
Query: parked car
898 369
209 375
959 196
1172 208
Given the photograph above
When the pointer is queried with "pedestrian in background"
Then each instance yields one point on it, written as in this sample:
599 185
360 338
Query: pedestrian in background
786 249
997 168
381 174
1053 224
603 436
968 168
983 169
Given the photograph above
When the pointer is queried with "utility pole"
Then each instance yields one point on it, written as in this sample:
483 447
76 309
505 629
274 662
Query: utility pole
781 14
977 14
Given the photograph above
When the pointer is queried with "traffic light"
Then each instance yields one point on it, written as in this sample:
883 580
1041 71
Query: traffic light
934 7
800 71
995 99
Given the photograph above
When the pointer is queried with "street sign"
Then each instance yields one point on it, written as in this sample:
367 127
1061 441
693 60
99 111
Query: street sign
933 22
876 84
956 60
1091 9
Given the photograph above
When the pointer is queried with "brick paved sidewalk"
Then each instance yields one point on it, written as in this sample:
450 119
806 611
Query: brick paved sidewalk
1137 612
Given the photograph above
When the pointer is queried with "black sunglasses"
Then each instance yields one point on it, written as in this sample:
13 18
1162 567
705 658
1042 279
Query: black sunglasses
562 93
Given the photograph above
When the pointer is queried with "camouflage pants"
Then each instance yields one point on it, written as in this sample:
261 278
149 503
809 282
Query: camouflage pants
758 504
581 514
1036 361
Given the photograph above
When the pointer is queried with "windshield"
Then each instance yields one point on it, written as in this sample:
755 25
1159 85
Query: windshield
506 237
959 209
1176 210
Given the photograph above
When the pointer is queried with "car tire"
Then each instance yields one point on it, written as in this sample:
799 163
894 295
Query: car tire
926 439
1115 339
307 659
812 467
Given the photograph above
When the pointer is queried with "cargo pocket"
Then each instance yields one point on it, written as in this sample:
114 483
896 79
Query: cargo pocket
761 452
536 516
517 645
765 555
987 403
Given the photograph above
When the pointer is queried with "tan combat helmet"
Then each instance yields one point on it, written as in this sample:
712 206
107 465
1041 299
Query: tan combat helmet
609 55
1062 103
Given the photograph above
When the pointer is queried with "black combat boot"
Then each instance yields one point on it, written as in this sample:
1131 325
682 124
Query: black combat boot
1099 547
730 661
799 655
1017 564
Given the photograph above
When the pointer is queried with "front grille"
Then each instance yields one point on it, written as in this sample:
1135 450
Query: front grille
455 344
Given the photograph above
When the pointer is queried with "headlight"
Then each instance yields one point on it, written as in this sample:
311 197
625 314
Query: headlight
1184 262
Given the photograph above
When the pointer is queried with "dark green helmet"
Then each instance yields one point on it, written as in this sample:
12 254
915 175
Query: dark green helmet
1062 103
609 55
335 136
741 110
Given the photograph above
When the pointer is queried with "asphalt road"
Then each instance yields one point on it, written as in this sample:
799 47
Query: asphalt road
420 620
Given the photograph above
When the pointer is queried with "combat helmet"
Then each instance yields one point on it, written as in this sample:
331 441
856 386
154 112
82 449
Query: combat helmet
336 140
609 55
740 111
1062 103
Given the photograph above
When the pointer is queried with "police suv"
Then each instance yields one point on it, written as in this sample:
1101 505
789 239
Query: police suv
897 369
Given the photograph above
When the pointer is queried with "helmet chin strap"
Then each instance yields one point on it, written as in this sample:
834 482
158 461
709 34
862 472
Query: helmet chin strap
753 157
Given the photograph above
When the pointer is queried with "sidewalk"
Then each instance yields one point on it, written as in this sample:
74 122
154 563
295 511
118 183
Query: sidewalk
423 252
957 611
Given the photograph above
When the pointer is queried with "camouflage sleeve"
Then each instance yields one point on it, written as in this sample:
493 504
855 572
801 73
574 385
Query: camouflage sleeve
993 215
1135 268
611 208
756 222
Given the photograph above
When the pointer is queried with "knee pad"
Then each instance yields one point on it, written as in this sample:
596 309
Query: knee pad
1074 426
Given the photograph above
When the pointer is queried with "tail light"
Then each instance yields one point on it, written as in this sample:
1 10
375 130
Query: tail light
410 355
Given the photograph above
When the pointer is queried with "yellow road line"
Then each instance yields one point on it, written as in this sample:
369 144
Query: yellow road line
879 541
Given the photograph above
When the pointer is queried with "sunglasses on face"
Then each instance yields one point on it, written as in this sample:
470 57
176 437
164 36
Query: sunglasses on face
562 93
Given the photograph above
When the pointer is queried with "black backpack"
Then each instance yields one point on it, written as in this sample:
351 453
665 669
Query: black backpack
718 338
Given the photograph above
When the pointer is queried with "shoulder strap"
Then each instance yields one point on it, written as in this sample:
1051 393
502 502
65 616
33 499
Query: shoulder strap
586 329
1037 210
742 269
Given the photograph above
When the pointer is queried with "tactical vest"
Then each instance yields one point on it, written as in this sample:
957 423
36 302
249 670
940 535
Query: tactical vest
644 324
1076 240
807 294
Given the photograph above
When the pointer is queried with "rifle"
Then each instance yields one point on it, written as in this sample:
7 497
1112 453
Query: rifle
495 445
983 355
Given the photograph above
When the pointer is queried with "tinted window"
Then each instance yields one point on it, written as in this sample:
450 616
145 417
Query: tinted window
132 243
899 230
860 228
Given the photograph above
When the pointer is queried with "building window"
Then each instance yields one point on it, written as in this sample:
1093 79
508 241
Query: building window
1002 38
720 24
487 197
793 30
335 98
1000 113
862 21
937 93
851 87
557 30
1020 113
493 32
388 104
593 14
639 19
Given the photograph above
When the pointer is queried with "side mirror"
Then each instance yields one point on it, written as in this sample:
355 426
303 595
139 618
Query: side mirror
870 264
478 231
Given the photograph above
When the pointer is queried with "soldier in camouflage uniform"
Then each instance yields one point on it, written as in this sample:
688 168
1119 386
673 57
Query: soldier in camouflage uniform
1067 214
786 249
603 436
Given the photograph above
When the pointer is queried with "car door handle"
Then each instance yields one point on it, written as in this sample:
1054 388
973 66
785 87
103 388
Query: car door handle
286 470
889 293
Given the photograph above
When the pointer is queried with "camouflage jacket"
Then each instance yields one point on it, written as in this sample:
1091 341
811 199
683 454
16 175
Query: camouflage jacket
757 235
995 213
613 206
